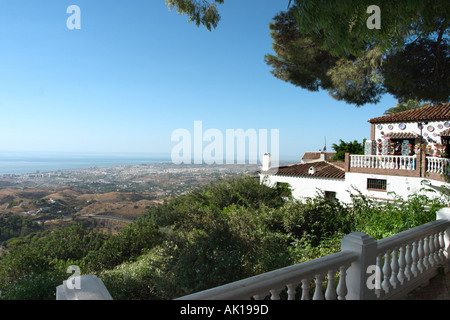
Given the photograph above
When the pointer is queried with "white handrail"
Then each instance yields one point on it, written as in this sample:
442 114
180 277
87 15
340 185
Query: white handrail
274 282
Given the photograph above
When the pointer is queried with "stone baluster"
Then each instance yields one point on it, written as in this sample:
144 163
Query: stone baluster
426 252
408 259
386 285
342 286
415 258
379 264
330 293
275 294
441 246
431 252
318 295
436 248
305 289
291 291
420 265
402 265
394 268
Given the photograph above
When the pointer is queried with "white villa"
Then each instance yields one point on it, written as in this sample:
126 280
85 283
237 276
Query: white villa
407 152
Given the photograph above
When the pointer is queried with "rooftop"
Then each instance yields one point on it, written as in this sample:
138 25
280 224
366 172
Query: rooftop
316 155
435 112
322 169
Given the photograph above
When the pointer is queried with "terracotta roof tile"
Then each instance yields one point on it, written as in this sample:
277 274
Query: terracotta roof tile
316 155
323 169
435 112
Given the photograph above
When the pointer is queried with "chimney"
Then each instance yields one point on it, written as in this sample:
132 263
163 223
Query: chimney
322 156
266 164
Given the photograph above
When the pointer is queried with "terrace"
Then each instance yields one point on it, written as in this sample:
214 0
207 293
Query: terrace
408 166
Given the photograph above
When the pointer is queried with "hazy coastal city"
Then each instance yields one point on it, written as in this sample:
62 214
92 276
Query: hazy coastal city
123 192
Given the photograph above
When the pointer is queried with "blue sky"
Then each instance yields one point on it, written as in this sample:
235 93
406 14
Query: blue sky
136 72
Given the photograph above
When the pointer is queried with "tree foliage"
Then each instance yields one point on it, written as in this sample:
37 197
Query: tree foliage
329 47
352 147
304 60
201 12
345 24
420 71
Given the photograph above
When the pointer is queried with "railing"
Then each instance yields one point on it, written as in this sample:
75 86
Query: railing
438 165
408 259
271 284
368 269
383 162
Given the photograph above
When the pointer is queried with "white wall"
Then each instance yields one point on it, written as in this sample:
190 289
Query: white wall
401 186
304 187
412 127
308 187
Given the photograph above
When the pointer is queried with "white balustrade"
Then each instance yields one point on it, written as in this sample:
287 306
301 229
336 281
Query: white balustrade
438 165
410 258
383 162
305 277
402 262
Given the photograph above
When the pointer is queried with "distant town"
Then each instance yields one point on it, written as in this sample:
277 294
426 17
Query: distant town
119 192
165 177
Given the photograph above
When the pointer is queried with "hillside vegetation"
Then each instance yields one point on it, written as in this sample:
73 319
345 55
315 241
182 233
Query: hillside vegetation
231 229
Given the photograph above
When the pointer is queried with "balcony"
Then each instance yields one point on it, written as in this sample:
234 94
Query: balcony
364 269
409 166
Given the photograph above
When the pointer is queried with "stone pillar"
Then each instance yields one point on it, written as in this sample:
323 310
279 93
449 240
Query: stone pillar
267 162
423 169
357 275
347 162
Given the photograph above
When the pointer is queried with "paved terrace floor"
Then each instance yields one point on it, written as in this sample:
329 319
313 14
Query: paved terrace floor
437 289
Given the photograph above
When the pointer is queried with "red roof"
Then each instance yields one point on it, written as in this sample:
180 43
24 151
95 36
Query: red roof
322 169
435 112
316 155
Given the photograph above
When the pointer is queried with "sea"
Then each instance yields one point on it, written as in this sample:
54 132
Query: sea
32 162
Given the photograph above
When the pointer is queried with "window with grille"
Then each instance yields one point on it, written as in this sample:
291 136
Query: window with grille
376 184
330 195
